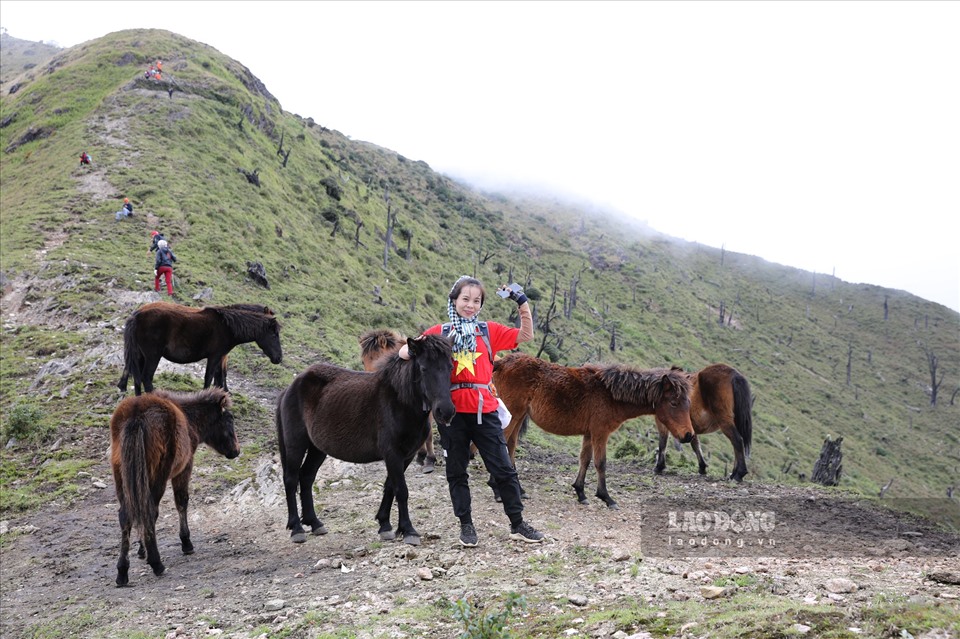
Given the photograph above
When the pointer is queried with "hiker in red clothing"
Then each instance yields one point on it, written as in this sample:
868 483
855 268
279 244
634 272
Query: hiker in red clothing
85 159
163 266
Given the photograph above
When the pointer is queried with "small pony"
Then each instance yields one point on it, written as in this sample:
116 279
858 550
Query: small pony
720 399
592 401
376 344
362 417
184 334
153 439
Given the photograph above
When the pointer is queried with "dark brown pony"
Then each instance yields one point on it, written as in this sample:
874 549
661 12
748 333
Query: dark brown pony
362 417
592 401
153 440
720 399
375 345
184 334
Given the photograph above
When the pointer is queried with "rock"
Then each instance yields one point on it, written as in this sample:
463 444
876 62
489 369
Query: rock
425 574
621 555
952 578
715 592
274 605
99 484
801 628
577 600
205 294
840 585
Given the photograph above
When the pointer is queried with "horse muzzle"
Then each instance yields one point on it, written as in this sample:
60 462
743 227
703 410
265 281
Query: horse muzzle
443 414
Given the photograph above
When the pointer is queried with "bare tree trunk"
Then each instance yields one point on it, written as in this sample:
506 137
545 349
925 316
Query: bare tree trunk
883 491
391 220
828 467
933 362
849 361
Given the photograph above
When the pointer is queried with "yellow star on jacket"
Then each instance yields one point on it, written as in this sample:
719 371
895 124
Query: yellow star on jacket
464 361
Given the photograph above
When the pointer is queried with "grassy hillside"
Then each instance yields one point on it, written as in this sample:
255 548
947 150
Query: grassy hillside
824 357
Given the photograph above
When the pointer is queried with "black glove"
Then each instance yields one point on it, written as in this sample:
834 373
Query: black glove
514 292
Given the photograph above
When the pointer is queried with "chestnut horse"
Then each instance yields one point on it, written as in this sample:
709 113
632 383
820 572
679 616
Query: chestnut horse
362 417
184 334
592 401
153 440
720 399
374 346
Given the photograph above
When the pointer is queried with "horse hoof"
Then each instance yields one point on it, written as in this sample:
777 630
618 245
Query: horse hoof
412 540
613 506
428 468
298 538
188 551
387 535
158 569
318 530
583 502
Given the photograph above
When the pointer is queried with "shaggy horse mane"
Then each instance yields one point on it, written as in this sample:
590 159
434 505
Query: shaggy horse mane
380 340
641 386
212 395
247 322
402 374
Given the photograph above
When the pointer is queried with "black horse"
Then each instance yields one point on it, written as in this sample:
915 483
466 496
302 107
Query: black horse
362 417
184 334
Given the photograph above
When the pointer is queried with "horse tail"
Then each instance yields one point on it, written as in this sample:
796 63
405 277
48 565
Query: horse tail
136 473
742 405
279 422
130 348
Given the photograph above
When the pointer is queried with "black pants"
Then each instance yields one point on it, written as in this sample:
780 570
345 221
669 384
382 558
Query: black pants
488 437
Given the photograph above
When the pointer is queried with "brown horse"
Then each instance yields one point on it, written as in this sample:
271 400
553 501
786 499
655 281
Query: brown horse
375 345
720 399
362 417
592 401
153 440
184 334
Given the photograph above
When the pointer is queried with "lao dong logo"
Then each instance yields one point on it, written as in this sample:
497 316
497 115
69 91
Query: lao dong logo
706 521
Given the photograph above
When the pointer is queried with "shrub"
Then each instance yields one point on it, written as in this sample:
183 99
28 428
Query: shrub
491 625
25 423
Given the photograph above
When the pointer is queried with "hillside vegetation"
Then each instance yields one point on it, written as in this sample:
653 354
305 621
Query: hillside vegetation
353 236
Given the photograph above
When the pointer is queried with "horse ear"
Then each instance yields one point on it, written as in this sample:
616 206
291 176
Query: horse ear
225 403
412 346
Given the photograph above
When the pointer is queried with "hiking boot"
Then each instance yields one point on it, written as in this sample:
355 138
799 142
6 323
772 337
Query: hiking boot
526 532
468 535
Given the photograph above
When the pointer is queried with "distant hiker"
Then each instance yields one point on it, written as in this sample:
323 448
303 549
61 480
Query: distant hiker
159 66
163 266
85 159
148 73
157 238
127 210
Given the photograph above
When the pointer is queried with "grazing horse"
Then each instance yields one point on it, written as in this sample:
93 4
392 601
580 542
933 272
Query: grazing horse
362 417
720 399
153 439
374 346
184 334
592 401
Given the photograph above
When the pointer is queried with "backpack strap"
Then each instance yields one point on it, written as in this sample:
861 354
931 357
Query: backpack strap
484 333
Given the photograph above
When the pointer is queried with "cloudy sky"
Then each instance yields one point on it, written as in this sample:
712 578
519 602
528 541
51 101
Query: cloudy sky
821 135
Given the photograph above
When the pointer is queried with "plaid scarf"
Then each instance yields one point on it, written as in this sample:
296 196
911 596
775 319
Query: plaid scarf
464 330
